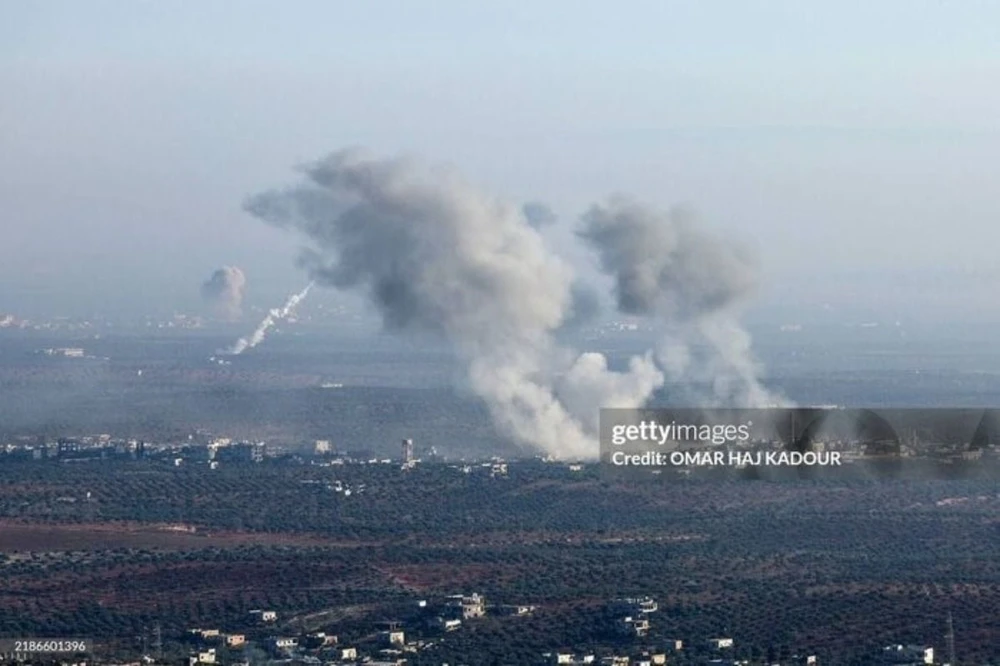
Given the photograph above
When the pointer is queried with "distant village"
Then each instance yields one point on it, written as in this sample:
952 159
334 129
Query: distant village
265 639
262 640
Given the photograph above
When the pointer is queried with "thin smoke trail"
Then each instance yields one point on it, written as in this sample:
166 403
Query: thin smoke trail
272 318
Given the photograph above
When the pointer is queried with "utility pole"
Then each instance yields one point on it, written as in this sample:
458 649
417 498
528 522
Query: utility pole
949 638
158 642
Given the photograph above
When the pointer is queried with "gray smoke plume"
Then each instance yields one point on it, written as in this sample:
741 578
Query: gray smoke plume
663 265
224 289
435 254
273 317
538 214
585 306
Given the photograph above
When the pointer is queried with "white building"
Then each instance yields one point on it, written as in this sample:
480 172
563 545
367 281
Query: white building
203 657
471 606
393 637
264 616
909 654
636 605
284 643
633 626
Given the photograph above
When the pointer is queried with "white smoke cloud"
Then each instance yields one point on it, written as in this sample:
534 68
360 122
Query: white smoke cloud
592 387
435 254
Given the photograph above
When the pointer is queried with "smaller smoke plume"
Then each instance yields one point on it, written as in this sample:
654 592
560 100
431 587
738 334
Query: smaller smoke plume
692 282
224 289
663 263
272 318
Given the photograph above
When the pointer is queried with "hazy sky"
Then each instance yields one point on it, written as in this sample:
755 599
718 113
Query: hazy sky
847 140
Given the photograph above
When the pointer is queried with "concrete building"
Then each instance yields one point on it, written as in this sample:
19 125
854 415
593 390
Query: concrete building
244 452
283 643
263 616
319 640
515 610
446 624
635 606
908 654
202 657
632 626
571 659
205 634
347 653
468 606
392 637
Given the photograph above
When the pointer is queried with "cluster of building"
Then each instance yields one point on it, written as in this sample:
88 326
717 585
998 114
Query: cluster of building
907 655
631 622
716 651
388 644
65 352
312 648
496 468
639 658
631 615
106 447
11 321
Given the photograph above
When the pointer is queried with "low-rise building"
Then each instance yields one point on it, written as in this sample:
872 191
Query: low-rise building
202 657
319 640
908 654
283 643
392 637
635 606
446 623
263 616
346 653
632 626
468 606
205 634
516 610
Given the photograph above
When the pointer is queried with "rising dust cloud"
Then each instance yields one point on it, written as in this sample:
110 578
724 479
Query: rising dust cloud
434 254
224 290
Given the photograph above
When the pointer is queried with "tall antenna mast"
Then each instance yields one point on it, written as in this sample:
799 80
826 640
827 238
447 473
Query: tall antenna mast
158 641
949 638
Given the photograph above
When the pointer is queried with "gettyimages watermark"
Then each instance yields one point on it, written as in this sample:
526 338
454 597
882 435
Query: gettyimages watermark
791 443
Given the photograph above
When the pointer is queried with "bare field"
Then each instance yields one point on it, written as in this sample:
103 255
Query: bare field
27 537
